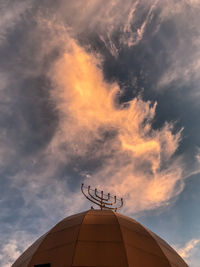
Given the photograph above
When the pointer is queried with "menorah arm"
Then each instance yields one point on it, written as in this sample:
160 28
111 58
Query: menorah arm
93 196
99 204
111 208
116 208
109 203
122 203
100 200
112 203
105 199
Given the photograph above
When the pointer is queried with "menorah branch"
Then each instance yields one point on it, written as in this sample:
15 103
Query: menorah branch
97 197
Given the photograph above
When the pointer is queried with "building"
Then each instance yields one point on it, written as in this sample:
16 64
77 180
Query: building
102 238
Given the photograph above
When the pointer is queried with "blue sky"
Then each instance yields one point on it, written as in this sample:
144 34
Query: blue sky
105 93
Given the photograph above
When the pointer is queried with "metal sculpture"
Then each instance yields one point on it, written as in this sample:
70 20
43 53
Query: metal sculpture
104 201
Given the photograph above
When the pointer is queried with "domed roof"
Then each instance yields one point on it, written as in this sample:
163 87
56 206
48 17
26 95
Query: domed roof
99 238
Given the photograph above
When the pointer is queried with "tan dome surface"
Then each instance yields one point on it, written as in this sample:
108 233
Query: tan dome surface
99 238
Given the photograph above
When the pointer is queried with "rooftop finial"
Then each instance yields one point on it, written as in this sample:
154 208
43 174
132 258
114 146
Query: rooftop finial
104 201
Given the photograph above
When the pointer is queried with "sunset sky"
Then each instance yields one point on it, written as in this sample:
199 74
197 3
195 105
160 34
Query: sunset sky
106 93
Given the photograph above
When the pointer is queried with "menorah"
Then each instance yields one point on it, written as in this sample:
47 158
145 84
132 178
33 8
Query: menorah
104 201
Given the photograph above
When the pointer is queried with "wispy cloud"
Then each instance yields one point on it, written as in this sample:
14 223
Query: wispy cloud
133 154
132 36
183 62
187 250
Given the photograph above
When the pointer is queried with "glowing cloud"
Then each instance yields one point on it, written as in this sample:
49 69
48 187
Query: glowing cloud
136 160
186 251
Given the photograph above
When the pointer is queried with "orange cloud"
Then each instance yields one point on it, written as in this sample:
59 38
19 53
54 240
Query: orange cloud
186 251
138 161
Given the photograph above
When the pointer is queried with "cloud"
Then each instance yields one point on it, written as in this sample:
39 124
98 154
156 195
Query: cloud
11 13
135 160
183 60
9 253
94 15
187 250
130 36
180 72
107 20
94 137
46 200
11 249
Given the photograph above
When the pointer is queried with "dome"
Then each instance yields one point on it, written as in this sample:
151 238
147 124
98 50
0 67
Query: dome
99 238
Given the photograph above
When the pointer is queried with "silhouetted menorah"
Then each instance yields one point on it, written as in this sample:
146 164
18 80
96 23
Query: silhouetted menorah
104 201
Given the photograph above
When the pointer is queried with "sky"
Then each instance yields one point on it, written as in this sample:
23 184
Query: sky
105 93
